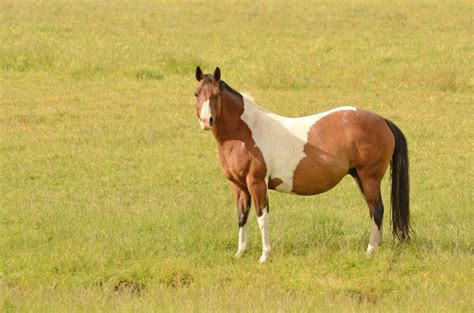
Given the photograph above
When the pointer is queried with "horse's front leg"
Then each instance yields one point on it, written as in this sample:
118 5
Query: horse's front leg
258 191
243 200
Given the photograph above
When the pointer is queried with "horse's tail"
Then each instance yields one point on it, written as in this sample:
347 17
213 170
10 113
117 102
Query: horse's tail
400 197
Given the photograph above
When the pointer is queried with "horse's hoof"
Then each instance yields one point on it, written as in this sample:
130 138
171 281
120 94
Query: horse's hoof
370 250
263 258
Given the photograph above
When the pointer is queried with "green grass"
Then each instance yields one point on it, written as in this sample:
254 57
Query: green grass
112 199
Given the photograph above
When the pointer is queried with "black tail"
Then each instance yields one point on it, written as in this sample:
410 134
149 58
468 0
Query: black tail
400 197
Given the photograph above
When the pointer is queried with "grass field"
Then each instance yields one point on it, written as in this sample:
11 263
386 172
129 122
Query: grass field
112 198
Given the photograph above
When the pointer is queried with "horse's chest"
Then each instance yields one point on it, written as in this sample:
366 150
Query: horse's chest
282 148
235 161
281 159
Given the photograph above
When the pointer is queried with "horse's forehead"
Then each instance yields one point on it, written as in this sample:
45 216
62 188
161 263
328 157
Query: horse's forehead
206 86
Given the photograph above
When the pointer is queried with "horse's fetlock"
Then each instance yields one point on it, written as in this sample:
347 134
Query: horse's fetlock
242 220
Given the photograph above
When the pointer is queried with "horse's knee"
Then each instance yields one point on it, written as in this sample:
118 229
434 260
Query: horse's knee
243 208
242 218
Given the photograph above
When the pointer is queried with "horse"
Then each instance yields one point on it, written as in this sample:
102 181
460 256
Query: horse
261 151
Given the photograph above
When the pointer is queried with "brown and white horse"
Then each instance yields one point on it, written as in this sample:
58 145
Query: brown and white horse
259 150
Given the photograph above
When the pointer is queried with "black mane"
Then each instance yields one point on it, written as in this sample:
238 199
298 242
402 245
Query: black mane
223 86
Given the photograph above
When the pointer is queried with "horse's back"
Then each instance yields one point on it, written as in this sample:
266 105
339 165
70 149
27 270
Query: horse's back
341 131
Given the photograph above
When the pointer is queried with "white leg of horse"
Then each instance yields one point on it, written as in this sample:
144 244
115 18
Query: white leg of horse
242 241
263 222
375 237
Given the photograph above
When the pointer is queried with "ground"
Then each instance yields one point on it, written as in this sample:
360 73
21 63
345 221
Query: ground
112 198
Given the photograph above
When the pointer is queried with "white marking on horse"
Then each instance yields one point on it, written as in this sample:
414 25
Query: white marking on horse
375 237
205 113
370 249
242 240
281 139
263 222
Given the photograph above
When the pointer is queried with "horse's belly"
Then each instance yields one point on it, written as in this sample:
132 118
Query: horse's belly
309 179
314 182
316 171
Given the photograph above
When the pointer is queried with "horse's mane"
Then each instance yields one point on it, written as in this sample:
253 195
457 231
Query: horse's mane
224 86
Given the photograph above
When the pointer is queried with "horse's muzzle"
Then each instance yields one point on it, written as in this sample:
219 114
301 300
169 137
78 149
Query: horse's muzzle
207 122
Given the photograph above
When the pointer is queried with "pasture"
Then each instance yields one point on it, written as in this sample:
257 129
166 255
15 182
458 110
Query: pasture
112 198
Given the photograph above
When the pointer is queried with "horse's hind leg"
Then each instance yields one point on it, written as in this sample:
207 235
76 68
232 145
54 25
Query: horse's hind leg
371 189
376 229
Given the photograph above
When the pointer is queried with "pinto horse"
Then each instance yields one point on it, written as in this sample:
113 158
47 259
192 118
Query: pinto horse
259 150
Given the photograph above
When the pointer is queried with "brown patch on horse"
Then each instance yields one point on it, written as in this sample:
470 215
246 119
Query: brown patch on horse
324 165
338 142
274 182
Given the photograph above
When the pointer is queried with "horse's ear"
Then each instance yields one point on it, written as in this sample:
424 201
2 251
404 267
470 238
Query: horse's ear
217 74
199 74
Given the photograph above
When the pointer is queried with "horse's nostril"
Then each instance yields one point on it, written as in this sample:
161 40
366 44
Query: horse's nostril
211 121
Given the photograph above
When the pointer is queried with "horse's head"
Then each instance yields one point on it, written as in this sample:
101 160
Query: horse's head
207 98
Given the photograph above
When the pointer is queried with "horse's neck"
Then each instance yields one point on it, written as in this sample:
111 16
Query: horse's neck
230 126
